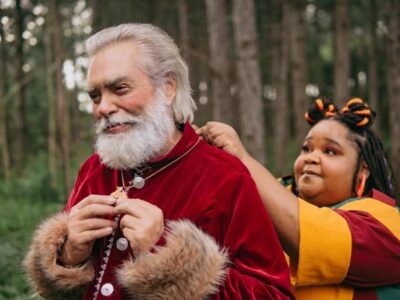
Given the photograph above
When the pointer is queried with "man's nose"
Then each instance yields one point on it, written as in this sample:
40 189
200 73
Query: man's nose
107 106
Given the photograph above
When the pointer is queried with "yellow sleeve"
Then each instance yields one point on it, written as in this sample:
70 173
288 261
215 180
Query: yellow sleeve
324 249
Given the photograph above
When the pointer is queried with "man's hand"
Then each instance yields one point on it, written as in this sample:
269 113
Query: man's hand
87 223
142 223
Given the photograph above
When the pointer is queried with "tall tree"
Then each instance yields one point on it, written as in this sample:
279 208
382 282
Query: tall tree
298 69
280 61
252 127
76 131
394 81
372 59
52 112
63 113
219 44
99 16
19 94
342 52
5 154
184 30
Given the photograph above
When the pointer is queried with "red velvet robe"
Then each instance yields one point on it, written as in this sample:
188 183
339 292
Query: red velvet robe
213 190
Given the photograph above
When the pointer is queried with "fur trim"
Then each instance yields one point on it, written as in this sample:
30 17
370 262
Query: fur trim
49 279
190 266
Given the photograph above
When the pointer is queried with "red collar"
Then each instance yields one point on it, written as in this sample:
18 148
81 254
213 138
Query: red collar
378 195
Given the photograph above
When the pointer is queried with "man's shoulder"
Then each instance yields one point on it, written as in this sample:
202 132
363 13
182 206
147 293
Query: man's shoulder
219 159
93 162
93 159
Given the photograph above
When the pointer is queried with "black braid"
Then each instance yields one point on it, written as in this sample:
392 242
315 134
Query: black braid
358 117
373 153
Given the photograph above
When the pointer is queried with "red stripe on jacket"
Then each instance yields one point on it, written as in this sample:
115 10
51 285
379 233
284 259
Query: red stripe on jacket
375 259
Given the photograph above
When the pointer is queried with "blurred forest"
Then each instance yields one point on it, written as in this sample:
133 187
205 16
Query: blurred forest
254 64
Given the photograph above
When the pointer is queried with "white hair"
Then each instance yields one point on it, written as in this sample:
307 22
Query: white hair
160 60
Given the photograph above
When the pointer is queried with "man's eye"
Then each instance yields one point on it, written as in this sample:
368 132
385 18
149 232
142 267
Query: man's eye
120 88
95 97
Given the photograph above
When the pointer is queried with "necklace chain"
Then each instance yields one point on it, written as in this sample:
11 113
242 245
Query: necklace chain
131 183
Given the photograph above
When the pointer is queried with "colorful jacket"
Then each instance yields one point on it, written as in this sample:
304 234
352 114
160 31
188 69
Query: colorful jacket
349 251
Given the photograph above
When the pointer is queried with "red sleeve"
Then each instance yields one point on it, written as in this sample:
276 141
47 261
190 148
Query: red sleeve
92 178
78 192
375 258
258 269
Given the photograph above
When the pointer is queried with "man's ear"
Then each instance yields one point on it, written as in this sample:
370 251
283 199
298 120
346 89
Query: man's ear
170 88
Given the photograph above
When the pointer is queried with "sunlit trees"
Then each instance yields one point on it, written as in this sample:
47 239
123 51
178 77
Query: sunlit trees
308 49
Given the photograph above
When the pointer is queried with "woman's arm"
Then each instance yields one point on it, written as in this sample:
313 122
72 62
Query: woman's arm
280 203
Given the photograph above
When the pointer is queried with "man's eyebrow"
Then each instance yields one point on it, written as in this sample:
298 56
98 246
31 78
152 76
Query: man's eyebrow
92 90
110 83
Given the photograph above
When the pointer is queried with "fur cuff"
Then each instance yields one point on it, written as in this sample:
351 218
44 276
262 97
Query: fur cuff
190 266
49 279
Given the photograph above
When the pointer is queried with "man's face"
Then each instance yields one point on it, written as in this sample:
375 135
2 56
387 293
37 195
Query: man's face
117 84
134 119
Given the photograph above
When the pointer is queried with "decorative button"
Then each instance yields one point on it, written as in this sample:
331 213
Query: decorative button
107 289
122 244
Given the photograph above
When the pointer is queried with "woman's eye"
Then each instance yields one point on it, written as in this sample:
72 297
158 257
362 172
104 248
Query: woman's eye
305 149
330 152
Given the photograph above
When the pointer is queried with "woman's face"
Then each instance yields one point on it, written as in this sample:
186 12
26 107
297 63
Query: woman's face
325 168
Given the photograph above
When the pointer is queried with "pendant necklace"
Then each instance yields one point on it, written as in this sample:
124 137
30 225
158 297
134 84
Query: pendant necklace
138 181
121 192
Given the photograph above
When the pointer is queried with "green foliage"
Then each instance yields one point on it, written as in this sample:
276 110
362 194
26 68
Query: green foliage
25 202
17 222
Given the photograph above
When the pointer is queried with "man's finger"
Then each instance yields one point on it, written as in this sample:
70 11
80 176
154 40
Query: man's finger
94 210
96 199
94 224
92 235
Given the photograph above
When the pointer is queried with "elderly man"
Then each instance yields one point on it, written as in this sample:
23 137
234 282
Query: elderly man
150 167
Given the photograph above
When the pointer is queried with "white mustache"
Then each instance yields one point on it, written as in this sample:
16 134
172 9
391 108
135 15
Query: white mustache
106 123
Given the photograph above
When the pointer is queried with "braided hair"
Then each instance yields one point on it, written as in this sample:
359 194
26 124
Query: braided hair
358 117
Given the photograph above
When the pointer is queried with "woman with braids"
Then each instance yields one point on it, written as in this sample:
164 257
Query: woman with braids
337 218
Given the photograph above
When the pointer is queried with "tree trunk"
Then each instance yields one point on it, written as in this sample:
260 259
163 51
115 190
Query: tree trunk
19 93
62 105
99 16
76 135
184 29
5 154
52 113
372 62
219 44
394 82
249 79
342 52
298 67
280 61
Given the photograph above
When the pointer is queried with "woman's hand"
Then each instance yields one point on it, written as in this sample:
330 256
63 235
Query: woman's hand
224 137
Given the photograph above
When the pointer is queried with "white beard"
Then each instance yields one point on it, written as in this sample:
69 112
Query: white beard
142 142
